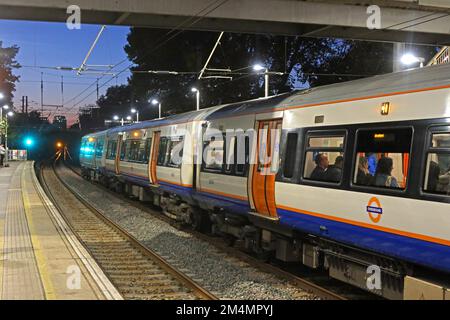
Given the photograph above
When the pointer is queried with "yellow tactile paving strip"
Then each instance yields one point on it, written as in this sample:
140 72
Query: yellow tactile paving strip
20 274
36 261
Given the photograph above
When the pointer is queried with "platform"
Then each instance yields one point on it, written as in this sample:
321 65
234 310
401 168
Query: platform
40 257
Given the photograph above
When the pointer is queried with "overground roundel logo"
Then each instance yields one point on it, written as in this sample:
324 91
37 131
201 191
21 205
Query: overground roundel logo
374 209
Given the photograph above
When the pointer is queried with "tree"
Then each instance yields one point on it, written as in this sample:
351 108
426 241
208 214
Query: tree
7 78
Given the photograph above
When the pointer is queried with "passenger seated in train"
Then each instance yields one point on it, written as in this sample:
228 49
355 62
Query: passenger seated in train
334 172
364 177
433 176
322 163
383 177
443 184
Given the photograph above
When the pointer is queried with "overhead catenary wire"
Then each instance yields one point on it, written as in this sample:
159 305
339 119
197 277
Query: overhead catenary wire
159 39
155 48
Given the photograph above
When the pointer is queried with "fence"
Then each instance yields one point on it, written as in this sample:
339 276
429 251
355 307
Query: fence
17 155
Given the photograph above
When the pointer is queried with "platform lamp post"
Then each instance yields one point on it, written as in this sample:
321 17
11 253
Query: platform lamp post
409 59
116 118
5 107
156 102
8 115
197 95
137 113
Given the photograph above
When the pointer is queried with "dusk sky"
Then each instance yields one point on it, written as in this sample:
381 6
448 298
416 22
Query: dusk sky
52 45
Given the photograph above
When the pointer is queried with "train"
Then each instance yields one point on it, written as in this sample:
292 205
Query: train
352 178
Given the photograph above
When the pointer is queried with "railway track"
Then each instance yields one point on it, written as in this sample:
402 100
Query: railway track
312 281
135 270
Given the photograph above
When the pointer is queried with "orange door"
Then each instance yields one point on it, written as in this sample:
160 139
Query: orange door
265 168
118 150
154 157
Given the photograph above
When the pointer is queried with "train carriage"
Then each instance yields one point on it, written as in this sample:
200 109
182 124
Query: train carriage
345 177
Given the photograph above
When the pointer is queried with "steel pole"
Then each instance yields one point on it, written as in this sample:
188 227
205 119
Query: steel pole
266 83
198 99
159 110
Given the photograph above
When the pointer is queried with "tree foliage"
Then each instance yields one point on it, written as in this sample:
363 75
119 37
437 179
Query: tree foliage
7 78
304 62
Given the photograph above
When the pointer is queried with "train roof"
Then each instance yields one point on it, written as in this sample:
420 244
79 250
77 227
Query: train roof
178 118
415 79
408 80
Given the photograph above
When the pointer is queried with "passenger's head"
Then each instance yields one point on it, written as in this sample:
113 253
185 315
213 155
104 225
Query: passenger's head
385 166
322 160
363 163
339 162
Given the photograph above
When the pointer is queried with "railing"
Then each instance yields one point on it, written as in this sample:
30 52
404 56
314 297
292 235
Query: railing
17 155
441 57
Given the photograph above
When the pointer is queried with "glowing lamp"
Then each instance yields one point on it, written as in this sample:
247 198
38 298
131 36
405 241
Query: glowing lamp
385 108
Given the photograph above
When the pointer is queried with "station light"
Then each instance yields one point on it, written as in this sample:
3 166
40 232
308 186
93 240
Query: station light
409 59
29 141
155 102
10 114
116 118
129 118
5 107
133 110
1 96
194 89
59 145
91 139
258 67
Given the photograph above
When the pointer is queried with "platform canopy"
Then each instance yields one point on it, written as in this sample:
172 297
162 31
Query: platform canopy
407 21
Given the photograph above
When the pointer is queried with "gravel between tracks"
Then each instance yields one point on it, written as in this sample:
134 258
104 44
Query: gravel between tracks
226 277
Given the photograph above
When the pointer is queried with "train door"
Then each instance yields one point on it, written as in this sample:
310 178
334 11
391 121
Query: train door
118 152
265 168
154 157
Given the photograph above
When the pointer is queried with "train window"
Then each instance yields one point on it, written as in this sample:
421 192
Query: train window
162 151
213 154
291 151
111 150
242 160
144 151
123 150
133 147
170 151
99 148
437 171
324 159
382 158
231 152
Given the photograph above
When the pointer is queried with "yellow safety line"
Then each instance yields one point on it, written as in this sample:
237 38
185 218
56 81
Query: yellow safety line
40 259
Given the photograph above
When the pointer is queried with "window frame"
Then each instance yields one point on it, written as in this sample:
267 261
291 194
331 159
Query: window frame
314 132
234 167
428 149
167 159
374 189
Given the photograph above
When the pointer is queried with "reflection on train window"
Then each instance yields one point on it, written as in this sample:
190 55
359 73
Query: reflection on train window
123 150
213 154
111 150
99 148
437 174
133 150
440 140
291 152
170 152
324 160
231 153
382 158
144 151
